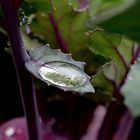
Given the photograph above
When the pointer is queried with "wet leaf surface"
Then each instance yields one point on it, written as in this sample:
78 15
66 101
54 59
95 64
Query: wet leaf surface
58 69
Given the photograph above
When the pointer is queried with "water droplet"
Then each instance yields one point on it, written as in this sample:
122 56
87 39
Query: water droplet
22 18
8 43
10 131
62 74
130 78
25 20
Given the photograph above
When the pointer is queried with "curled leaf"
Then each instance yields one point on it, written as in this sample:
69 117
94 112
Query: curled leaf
103 84
58 69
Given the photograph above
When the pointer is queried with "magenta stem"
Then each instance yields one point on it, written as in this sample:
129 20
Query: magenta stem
59 37
24 78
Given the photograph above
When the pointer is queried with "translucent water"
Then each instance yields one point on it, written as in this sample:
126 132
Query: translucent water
62 74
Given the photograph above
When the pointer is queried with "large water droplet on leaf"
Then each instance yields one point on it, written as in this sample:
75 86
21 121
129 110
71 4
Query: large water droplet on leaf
59 70
62 74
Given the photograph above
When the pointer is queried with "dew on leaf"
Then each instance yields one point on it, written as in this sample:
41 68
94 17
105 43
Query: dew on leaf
62 74
59 70
8 43
130 78
22 18
10 131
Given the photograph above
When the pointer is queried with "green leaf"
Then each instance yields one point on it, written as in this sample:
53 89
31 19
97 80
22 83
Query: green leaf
30 43
93 61
114 47
95 48
59 70
131 90
70 24
110 71
102 10
43 6
103 86
126 23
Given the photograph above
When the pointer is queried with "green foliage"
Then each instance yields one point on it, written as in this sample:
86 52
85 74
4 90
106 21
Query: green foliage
33 6
103 86
79 5
131 90
107 49
126 23
110 46
101 10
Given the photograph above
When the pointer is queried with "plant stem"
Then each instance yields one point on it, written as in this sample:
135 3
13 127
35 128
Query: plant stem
126 124
136 55
107 123
117 52
24 78
59 37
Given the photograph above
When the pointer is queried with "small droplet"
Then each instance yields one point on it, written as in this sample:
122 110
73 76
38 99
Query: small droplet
8 43
62 74
130 78
24 20
22 17
9 131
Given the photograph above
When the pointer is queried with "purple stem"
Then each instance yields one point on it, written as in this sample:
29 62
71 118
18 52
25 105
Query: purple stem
127 119
136 55
24 78
117 52
107 123
59 37
95 124
121 57
125 127
116 93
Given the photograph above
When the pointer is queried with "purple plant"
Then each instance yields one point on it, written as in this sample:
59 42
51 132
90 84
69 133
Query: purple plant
62 115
